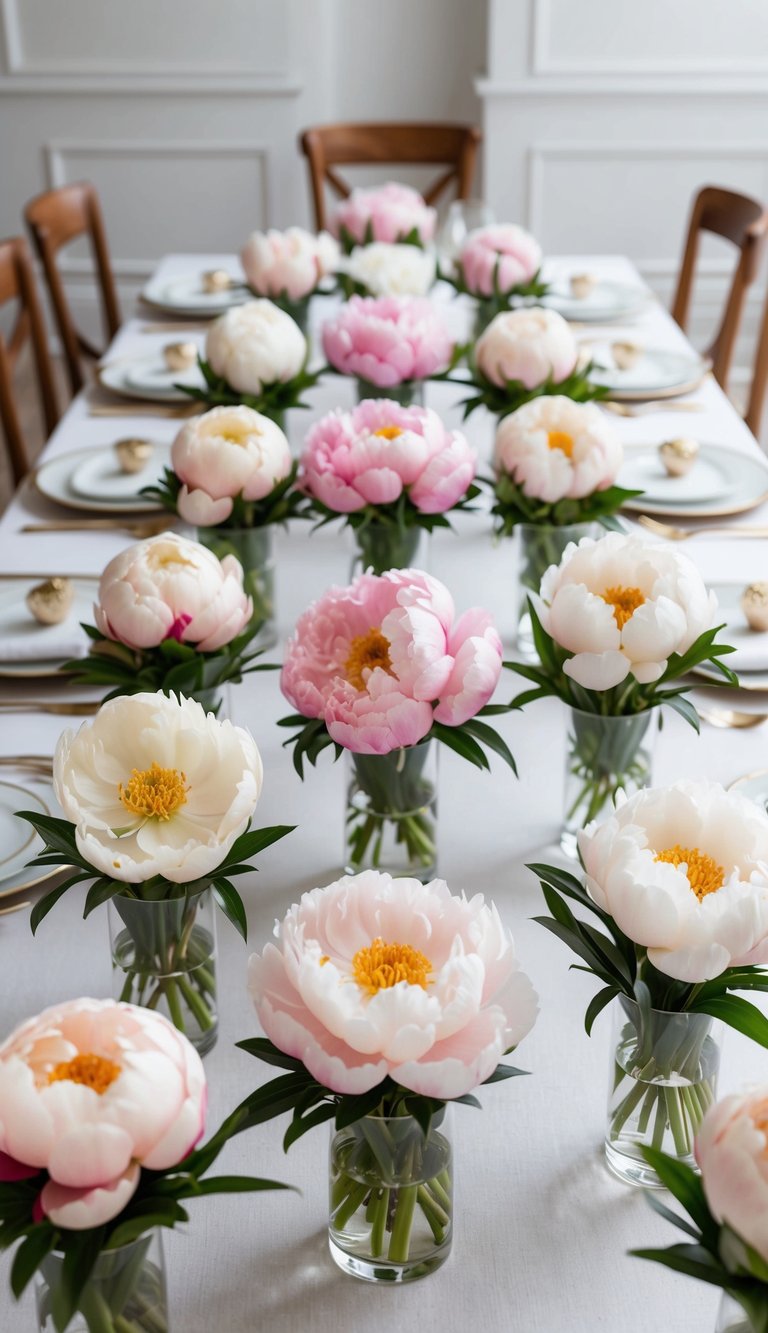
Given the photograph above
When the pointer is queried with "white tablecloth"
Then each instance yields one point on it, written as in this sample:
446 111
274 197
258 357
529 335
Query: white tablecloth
542 1228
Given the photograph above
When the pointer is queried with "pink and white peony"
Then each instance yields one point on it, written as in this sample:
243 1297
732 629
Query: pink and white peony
528 345
385 269
387 341
732 1153
168 587
227 452
374 453
494 260
683 871
554 448
382 659
388 213
623 606
254 345
374 977
92 1091
288 264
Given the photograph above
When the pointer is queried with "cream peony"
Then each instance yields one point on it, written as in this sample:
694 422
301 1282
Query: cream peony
622 606
554 449
227 452
288 264
391 270
683 871
732 1152
156 786
255 345
530 345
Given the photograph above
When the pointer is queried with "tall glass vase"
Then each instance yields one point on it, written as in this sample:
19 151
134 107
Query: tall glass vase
391 1197
539 546
408 394
126 1292
663 1080
164 958
604 755
391 812
254 548
383 546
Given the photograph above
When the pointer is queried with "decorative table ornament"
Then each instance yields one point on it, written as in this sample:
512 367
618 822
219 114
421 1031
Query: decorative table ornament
171 616
288 267
679 456
726 1238
382 669
387 269
386 1000
391 212
179 355
390 345
498 265
678 880
103 1109
615 625
158 798
754 604
50 602
391 472
133 453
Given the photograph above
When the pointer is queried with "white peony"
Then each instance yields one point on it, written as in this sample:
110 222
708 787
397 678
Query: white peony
683 871
227 452
622 605
554 448
530 345
386 269
254 345
288 263
156 786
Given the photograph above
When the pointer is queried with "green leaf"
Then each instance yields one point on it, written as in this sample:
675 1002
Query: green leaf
43 906
686 1186
254 841
487 736
674 1218
263 1049
685 708
738 1013
30 1254
455 739
231 904
101 892
302 1124
597 1004
238 1185
502 1072
693 1260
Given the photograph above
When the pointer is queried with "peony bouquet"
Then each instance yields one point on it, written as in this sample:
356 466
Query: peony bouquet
103 1110
158 798
384 1000
391 471
389 345
495 265
387 268
677 879
288 267
391 213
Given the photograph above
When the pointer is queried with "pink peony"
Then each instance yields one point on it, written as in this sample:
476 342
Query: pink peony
328 992
530 345
371 455
227 452
387 340
91 1091
288 264
386 214
731 1149
498 258
379 661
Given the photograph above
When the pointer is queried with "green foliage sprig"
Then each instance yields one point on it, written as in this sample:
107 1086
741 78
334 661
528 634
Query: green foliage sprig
501 400
273 401
282 504
348 242
400 517
499 298
512 506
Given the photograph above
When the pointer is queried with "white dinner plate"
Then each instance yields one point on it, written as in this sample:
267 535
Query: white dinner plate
606 303
148 377
55 480
18 840
185 296
750 661
17 621
100 477
656 373
743 483
754 786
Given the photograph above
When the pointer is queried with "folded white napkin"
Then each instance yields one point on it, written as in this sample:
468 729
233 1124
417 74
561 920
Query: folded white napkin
751 648
27 641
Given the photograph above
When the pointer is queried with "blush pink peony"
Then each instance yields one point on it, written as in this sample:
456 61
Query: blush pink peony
497 259
732 1153
554 448
388 213
288 264
227 452
529 345
371 455
387 340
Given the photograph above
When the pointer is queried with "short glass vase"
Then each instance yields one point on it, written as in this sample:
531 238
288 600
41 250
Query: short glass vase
663 1079
383 546
733 1318
408 394
254 548
164 958
539 546
391 812
126 1292
603 755
391 1197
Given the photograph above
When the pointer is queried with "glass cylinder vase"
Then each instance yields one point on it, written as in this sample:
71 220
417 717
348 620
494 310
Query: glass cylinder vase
604 755
539 546
732 1317
126 1292
663 1080
408 394
383 546
391 812
164 958
391 1197
254 548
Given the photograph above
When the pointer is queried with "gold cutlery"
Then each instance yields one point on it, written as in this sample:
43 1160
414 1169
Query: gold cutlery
731 717
138 408
30 763
179 326
658 405
149 527
674 534
77 709
89 578
15 907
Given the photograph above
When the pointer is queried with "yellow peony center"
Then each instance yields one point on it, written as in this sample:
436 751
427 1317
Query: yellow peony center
704 874
389 432
93 1071
154 793
560 439
624 601
380 965
367 651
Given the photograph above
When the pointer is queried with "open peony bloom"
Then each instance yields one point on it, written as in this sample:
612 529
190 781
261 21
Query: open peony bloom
530 346
374 977
622 605
381 660
732 1153
227 452
387 341
168 587
91 1091
683 871
554 448
254 345
370 455
385 269
388 213
156 786
288 264
494 260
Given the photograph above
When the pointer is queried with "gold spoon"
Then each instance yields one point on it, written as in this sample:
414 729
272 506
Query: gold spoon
731 717
674 534
641 409
6 911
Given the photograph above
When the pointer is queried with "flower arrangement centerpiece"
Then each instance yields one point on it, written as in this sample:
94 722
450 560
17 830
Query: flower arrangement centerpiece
391 213
232 476
288 267
677 879
382 669
616 625
389 345
103 1111
386 1001
158 798
392 472
726 1238
497 265
387 268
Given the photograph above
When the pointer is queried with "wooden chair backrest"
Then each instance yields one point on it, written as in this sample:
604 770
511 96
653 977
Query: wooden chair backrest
17 283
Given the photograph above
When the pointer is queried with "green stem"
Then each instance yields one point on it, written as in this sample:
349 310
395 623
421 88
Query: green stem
400 1240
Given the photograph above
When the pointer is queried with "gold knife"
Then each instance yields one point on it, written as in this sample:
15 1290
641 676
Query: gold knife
79 709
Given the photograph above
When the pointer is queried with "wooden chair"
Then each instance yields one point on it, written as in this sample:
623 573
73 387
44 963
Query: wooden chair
17 283
743 221
326 146
759 386
55 219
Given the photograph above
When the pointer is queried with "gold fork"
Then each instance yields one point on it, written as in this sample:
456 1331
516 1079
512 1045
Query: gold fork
658 405
78 709
731 717
674 534
39 764
143 527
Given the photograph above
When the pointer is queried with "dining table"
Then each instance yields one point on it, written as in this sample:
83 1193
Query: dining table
542 1228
